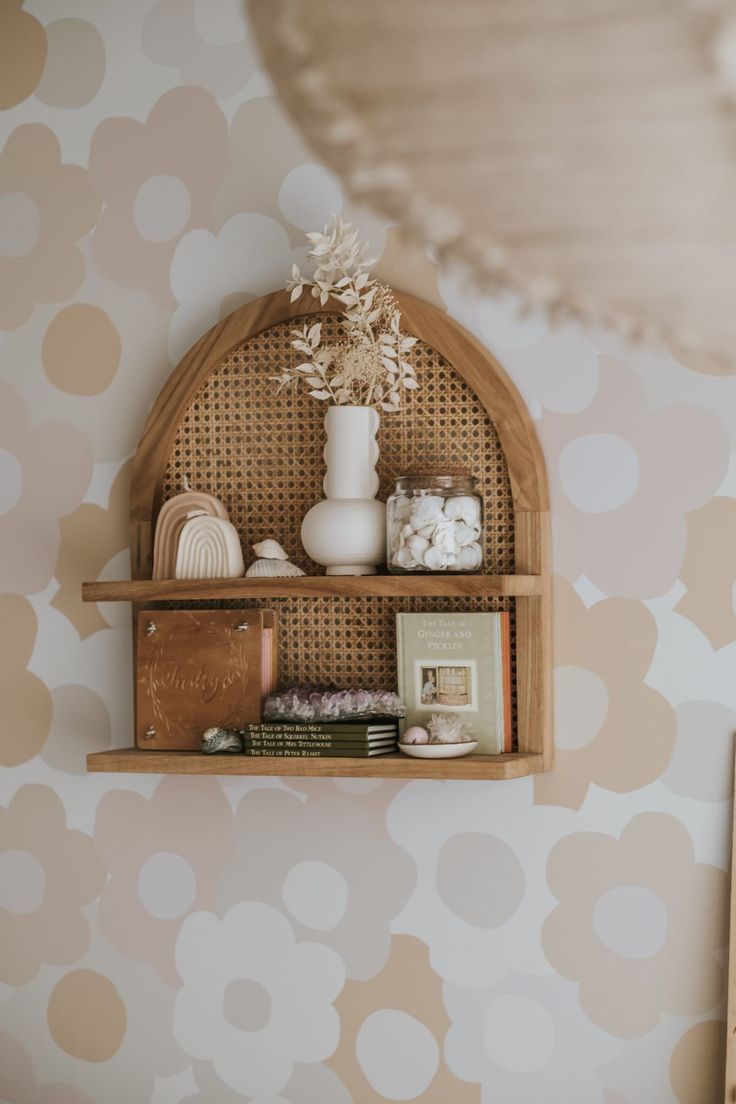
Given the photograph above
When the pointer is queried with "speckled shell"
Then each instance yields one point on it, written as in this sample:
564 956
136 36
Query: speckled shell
221 739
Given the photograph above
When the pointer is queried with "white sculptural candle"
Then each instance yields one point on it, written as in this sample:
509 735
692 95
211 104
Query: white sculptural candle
172 518
209 548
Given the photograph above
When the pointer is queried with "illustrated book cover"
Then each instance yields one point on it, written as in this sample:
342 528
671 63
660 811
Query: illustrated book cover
198 669
459 663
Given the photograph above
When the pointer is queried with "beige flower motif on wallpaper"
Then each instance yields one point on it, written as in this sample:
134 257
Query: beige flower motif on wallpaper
709 571
90 537
45 208
286 183
215 53
639 924
255 1001
310 1083
19 1085
325 861
26 701
102 1024
157 181
622 478
75 64
526 1039
49 872
392 1033
611 729
478 860
698 1062
175 844
44 472
22 53
255 184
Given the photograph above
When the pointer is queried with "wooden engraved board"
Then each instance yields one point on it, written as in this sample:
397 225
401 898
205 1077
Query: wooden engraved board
195 669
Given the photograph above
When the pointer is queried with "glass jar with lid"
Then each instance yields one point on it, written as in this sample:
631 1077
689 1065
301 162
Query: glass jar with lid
435 524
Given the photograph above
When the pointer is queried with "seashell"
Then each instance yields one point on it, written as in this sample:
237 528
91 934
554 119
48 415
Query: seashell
221 739
465 534
272 569
435 558
426 509
415 735
402 507
427 531
417 546
463 508
403 558
394 535
448 728
444 537
406 532
469 557
269 550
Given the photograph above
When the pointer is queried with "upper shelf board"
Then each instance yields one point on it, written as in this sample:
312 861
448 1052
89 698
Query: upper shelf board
312 586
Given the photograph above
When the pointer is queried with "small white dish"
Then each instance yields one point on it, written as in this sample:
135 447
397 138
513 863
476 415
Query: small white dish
438 751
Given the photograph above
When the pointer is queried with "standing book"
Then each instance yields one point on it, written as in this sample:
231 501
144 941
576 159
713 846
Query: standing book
457 663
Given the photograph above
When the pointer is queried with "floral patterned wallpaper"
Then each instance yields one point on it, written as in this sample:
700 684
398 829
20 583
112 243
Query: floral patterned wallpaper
202 941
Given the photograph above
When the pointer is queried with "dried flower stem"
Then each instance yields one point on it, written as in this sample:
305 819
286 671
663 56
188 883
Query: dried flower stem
370 365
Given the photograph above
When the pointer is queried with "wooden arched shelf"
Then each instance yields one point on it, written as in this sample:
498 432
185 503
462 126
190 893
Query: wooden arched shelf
462 363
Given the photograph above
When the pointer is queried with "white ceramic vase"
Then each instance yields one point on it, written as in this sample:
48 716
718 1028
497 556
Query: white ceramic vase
346 532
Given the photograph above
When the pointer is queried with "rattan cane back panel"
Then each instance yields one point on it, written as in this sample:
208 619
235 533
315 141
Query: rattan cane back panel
343 642
261 453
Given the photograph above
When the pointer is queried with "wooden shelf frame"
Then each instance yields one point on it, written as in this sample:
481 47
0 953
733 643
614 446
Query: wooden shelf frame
531 581
398 765
312 586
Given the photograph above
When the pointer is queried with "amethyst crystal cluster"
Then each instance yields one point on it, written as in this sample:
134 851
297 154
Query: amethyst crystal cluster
332 705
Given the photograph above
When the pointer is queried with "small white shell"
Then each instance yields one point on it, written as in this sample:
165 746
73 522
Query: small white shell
425 510
435 558
465 534
269 550
463 508
417 546
444 537
394 535
272 569
469 557
402 507
403 558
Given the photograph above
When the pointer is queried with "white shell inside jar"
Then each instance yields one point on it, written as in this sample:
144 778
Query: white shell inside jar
432 533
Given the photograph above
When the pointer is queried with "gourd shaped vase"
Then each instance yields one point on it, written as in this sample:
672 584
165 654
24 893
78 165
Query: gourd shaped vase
346 532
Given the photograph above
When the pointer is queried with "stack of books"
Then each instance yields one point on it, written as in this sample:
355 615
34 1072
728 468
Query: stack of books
292 739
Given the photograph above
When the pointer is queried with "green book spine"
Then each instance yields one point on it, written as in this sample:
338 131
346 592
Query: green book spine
316 745
347 728
320 753
316 741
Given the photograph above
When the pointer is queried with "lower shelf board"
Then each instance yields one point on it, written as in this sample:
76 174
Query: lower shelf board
140 761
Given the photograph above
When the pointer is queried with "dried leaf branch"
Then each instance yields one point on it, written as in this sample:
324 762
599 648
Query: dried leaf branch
370 365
